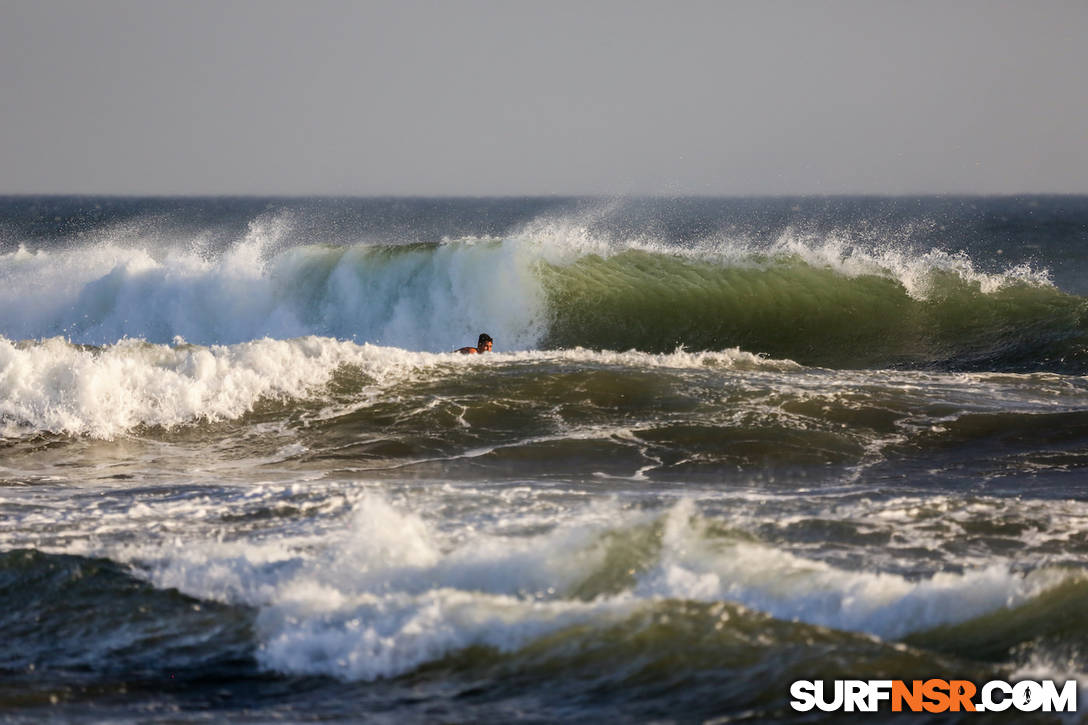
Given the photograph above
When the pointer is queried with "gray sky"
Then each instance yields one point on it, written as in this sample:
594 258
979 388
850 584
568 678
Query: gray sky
599 97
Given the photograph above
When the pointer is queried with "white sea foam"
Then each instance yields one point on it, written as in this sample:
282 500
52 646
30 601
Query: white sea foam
430 298
392 590
387 594
56 386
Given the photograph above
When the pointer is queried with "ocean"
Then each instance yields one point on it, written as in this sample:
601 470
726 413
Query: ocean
721 445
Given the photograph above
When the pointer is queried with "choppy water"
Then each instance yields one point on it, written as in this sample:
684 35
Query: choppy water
722 445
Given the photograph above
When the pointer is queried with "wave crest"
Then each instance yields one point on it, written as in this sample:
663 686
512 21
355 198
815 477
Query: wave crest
820 301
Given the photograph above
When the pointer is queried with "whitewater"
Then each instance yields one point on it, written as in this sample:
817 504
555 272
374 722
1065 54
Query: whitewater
721 445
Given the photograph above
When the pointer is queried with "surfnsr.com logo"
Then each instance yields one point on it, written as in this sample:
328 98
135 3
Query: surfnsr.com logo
933 695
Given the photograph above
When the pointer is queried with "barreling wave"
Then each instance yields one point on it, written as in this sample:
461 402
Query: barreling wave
825 303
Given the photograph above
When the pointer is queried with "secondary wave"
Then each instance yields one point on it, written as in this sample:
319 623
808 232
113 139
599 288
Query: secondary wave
387 594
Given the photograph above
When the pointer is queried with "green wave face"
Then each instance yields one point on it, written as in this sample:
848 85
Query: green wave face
788 308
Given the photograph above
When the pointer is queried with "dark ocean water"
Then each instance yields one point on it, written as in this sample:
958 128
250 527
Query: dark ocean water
721 445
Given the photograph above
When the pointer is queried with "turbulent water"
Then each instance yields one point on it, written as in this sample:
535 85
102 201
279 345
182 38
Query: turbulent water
721 445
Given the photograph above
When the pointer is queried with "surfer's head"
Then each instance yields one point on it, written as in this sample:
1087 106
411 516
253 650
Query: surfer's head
484 343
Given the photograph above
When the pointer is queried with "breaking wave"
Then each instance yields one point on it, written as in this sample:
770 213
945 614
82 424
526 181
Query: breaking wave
387 593
819 302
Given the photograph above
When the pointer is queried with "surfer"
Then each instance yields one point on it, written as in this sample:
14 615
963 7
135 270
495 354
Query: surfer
482 345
